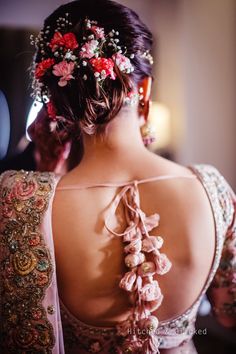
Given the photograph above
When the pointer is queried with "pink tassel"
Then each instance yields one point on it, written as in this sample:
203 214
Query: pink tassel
134 246
127 282
163 264
151 345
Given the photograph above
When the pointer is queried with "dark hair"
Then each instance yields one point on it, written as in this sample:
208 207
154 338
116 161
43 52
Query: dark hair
86 103
50 153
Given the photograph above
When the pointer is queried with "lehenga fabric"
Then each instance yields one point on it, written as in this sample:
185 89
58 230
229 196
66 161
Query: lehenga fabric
34 320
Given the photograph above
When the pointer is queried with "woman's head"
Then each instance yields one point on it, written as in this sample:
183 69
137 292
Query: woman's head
91 56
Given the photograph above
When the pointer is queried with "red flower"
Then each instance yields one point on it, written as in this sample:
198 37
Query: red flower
56 41
68 41
104 67
42 67
51 110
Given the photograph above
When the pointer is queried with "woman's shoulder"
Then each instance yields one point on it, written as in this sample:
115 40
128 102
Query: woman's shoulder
205 172
217 189
169 167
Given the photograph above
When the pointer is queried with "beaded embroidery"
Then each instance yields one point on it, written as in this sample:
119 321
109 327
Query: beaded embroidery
223 203
26 267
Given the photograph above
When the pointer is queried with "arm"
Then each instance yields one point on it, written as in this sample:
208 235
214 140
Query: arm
222 292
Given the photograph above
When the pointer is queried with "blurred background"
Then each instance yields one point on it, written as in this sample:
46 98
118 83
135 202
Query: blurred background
194 105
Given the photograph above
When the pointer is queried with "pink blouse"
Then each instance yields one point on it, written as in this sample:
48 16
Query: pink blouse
34 320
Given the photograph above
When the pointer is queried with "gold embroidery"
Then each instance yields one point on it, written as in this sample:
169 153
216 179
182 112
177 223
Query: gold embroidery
26 266
24 263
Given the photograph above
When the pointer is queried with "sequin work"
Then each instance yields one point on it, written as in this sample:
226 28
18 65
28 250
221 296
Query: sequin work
26 266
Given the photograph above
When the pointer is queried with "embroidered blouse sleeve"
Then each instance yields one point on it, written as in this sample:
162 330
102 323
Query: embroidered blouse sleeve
25 263
222 292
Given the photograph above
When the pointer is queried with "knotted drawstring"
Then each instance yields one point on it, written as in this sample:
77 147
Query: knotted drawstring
122 195
144 260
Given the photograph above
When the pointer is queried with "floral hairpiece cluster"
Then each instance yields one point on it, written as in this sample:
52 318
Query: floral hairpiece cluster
65 58
63 55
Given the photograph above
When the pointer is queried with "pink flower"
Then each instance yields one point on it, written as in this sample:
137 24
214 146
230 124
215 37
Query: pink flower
152 243
132 260
151 222
162 263
89 49
64 70
154 305
151 344
24 189
98 31
132 233
103 68
42 67
150 324
134 246
123 63
128 280
147 269
150 291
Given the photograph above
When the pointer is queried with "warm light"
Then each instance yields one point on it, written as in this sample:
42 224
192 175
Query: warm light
159 118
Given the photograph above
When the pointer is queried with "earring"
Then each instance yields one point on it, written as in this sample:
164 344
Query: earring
140 91
148 132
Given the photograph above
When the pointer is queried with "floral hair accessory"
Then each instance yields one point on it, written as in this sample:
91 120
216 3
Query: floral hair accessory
51 110
103 68
42 67
64 70
148 56
53 117
123 63
67 58
67 41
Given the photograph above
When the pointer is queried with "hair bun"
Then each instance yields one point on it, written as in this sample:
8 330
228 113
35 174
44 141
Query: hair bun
86 67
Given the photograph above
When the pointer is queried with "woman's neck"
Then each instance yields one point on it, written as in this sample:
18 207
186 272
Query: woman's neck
121 140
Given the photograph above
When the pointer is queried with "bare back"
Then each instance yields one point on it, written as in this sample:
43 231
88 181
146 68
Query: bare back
90 261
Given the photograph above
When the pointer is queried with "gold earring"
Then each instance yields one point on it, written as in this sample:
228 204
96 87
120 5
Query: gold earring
148 132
